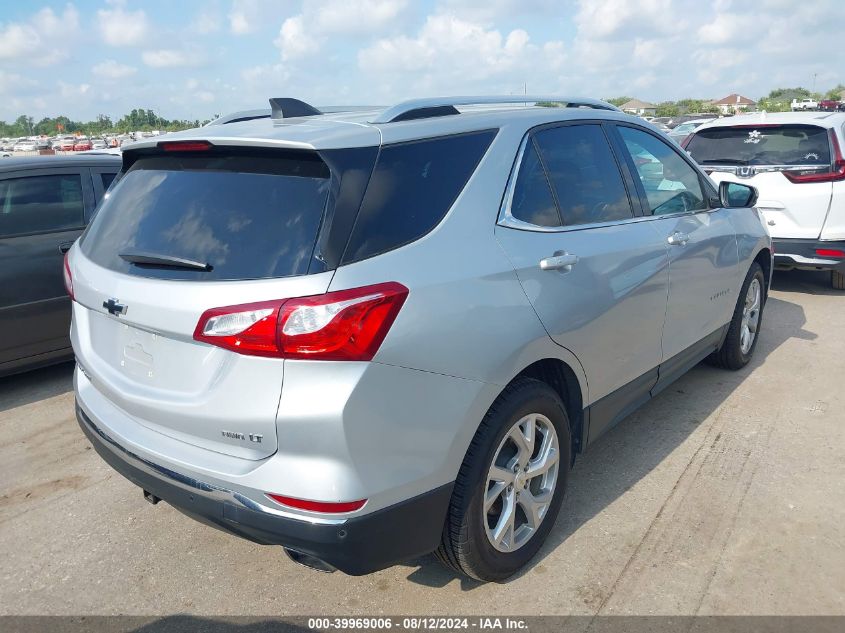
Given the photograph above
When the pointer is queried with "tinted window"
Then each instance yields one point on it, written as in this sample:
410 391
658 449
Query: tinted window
412 187
764 145
671 184
583 174
107 180
532 199
41 203
248 217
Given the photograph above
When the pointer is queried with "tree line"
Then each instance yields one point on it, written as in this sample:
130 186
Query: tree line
778 100
137 119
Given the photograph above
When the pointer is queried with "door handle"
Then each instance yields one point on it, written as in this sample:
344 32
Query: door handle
678 239
561 260
64 247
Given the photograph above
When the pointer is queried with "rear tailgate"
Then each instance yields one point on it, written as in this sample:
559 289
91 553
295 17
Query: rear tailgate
790 210
772 158
247 227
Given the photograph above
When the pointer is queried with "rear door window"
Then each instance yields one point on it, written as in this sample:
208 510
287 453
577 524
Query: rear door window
245 216
38 204
584 174
412 188
761 145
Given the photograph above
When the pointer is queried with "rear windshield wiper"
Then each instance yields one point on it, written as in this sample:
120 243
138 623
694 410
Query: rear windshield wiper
723 161
145 258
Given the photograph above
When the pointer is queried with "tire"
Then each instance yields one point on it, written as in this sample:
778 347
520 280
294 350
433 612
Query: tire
734 353
837 280
465 545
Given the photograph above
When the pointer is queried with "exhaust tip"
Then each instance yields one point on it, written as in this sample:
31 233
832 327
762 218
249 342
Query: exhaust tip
306 560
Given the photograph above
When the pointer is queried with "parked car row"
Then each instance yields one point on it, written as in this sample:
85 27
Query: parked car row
829 105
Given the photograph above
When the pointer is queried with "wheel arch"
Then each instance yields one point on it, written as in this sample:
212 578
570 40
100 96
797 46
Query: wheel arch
561 377
764 258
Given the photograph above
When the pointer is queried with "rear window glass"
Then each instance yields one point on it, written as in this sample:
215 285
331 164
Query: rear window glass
411 189
246 217
763 145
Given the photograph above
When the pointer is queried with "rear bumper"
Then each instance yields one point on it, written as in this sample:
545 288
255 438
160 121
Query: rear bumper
356 546
794 253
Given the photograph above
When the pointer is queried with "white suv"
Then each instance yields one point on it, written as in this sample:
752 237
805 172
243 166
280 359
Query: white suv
795 160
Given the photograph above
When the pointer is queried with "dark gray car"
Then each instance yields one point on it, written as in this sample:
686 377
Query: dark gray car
45 203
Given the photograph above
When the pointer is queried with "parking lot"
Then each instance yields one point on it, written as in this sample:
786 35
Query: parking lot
724 495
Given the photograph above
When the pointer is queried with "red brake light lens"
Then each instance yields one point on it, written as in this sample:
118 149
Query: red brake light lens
184 146
829 252
68 278
342 325
318 506
686 141
836 173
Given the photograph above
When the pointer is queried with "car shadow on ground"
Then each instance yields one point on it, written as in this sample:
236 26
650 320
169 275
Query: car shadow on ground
805 282
638 444
39 384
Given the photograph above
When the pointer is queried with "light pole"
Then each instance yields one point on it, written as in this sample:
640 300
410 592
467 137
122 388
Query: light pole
814 81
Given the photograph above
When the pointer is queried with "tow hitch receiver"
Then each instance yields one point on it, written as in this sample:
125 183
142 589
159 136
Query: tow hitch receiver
151 497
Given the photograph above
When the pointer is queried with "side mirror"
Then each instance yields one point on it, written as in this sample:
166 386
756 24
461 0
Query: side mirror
734 195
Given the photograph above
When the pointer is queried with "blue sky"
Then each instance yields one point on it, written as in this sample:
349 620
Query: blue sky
189 59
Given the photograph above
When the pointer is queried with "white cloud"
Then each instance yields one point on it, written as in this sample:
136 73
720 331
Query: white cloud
173 58
206 22
110 69
452 54
40 40
247 15
306 32
119 27
351 17
293 41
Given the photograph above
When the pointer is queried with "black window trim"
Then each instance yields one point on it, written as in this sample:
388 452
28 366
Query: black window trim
84 174
709 191
507 220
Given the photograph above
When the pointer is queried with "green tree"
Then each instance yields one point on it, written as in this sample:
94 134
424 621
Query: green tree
618 101
667 108
835 93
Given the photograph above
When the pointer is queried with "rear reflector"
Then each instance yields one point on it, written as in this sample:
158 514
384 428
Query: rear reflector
184 146
342 325
68 278
829 252
834 174
318 506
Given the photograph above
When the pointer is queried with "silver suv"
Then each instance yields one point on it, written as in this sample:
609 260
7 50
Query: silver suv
368 336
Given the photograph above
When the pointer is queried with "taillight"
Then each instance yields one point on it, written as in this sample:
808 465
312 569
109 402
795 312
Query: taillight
318 506
68 278
686 141
830 252
836 173
342 325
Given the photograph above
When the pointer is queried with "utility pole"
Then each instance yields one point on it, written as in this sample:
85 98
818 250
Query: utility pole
814 81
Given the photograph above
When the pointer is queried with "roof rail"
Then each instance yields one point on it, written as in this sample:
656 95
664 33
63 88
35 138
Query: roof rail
286 108
242 115
444 106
